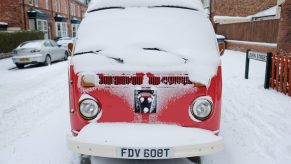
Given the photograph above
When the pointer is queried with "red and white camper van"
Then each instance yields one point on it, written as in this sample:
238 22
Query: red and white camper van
145 81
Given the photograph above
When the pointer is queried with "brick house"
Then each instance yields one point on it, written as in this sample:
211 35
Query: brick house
262 25
56 18
241 7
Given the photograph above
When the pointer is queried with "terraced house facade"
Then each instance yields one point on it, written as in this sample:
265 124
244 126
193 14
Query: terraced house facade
56 18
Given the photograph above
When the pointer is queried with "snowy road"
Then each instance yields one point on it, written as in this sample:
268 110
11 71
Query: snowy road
34 117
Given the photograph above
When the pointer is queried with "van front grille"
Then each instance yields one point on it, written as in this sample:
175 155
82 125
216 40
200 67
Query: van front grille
139 79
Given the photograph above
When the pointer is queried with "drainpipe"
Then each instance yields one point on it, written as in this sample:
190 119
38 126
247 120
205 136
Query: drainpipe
70 23
35 24
52 17
24 18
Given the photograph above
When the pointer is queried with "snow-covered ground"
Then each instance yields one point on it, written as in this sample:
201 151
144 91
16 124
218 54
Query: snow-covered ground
34 118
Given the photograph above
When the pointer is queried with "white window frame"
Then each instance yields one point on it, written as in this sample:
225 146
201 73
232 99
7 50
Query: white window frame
65 7
47 4
35 2
58 5
78 11
73 9
30 2
63 31
31 23
75 29
42 25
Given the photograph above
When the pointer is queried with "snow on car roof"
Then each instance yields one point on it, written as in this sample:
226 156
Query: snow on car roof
98 4
32 44
125 33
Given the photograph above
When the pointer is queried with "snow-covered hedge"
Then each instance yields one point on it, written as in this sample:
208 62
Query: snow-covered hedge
10 40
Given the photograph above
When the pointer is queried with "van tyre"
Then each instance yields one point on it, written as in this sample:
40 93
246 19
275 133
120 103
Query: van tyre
85 160
20 66
196 160
47 61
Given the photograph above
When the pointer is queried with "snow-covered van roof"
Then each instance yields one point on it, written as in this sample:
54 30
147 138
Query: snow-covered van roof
143 39
100 4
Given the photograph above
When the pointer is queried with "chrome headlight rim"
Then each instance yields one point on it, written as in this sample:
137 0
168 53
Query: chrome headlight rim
95 115
192 113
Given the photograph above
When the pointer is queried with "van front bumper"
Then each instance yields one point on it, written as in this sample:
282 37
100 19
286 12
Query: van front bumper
144 141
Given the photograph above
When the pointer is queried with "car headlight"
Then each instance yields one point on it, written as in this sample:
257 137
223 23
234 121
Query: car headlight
201 108
14 52
89 109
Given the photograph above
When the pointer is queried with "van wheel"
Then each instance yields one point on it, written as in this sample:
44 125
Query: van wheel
85 160
66 56
20 66
196 160
47 61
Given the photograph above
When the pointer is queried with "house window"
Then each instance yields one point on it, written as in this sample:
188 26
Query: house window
78 11
31 24
58 5
74 29
30 2
42 25
35 3
61 29
47 4
66 11
72 9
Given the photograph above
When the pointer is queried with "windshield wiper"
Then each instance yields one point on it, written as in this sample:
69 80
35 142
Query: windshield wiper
153 49
158 49
106 8
119 60
177 7
87 52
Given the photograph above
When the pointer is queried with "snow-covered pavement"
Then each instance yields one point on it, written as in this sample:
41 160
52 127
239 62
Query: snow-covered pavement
34 117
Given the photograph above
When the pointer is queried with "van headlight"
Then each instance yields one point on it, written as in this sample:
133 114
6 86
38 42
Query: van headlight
201 108
89 109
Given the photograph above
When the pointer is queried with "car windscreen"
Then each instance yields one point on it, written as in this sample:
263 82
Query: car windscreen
34 44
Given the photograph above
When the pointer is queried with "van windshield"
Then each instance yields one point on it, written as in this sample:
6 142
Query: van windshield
133 32
172 29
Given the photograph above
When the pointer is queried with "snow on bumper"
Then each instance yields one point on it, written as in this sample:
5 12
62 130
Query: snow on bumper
144 141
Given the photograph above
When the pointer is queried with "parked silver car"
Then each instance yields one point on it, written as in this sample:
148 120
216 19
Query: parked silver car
65 41
38 51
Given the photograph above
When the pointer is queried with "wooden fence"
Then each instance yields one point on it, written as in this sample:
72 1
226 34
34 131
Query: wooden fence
281 74
257 31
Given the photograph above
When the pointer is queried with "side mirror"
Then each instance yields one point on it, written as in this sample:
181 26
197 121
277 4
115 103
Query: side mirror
221 46
70 48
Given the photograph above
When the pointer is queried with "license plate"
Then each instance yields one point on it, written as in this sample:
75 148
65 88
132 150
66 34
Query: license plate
24 59
144 153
